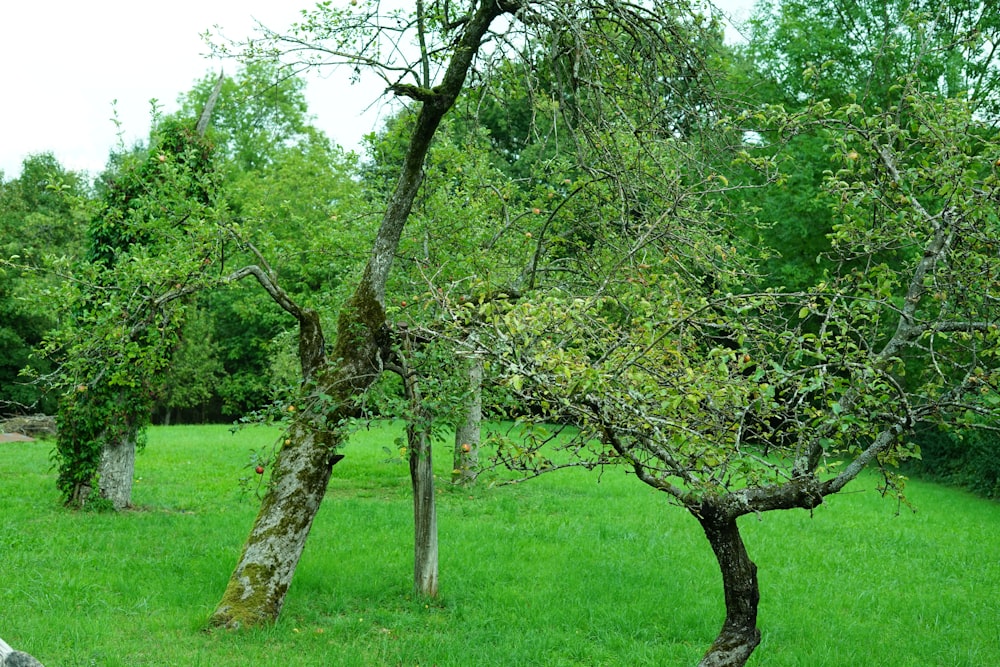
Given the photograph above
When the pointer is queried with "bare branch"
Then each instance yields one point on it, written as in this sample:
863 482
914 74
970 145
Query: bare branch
206 112
266 280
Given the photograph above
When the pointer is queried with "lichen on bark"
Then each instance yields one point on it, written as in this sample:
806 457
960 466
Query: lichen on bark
256 590
247 600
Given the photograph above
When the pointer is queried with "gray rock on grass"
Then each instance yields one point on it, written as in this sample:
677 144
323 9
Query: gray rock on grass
20 659
11 658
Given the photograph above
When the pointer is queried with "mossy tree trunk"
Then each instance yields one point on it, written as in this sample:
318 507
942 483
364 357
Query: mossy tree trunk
256 590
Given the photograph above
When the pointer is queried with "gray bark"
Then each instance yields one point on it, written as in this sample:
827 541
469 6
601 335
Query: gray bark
418 436
467 435
206 113
116 472
425 533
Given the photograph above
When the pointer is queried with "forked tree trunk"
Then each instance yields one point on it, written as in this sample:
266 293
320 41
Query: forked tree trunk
116 472
467 435
739 635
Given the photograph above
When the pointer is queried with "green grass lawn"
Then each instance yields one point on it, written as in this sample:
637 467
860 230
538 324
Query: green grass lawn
573 569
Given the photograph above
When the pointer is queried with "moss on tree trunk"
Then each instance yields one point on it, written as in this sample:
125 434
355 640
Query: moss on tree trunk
256 590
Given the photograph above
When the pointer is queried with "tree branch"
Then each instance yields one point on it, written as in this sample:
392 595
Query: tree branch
266 281
882 443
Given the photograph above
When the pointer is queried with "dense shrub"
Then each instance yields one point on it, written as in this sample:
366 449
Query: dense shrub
970 459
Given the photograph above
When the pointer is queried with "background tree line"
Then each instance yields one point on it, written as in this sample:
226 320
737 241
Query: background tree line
283 175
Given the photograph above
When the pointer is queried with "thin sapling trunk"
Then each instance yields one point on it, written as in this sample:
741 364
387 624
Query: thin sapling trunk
467 435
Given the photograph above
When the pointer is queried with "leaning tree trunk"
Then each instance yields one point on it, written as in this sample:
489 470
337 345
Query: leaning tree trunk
116 471
467 435
739 635
257 588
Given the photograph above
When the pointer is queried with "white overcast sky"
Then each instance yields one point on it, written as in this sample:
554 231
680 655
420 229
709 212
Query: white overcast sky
63 63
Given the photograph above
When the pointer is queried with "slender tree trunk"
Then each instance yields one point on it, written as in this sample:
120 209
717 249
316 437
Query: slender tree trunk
739 635
116 472
425 533
467 435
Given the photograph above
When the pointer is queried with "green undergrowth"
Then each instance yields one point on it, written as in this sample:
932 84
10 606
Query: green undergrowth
575 568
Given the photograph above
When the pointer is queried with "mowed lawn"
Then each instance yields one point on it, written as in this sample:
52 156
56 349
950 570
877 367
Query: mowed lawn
574 569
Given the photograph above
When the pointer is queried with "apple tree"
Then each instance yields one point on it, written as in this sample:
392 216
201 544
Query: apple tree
152 237
676 361
850 48
643 319
332 384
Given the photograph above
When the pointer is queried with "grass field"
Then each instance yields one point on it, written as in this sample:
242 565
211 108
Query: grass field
567 570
